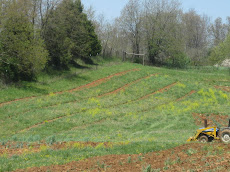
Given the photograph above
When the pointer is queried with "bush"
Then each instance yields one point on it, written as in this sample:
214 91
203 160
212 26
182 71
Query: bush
178 60
22 50
220 52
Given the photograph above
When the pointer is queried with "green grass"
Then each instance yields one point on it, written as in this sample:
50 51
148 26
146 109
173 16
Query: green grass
153 123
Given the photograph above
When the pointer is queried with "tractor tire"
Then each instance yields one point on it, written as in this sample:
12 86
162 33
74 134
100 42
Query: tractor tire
203 139
225 136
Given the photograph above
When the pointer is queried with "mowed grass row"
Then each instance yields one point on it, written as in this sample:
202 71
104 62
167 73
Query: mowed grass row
143 116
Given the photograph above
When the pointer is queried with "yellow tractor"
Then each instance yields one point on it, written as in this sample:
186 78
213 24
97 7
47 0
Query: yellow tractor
208 134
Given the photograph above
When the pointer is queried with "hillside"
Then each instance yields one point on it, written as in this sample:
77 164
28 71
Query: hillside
118 109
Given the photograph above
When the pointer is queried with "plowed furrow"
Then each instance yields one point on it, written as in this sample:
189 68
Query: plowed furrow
224 88
187 157
189 94
125 86
158 91
100 81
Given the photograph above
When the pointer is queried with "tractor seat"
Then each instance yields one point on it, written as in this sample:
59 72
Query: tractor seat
209 130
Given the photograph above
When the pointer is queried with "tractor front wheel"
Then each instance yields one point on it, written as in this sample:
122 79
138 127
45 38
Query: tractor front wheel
225 136
203 139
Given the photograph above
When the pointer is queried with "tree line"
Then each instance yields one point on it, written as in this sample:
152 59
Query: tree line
166 33
38 34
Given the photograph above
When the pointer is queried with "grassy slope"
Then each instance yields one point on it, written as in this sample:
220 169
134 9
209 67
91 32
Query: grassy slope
153 123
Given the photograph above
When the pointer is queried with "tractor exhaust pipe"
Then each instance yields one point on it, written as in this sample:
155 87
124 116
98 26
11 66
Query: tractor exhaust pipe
206 123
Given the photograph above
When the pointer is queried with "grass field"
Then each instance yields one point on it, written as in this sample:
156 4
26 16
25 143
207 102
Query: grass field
121 108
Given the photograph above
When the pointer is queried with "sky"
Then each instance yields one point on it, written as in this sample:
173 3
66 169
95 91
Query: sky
213 8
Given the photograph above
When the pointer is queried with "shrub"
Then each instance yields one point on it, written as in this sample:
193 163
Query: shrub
178 60
22 50
220 52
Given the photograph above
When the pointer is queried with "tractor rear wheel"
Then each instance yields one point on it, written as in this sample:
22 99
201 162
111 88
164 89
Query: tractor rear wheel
203 139
225 136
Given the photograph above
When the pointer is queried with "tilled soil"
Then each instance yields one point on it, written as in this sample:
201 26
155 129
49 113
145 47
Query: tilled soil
194 156
224 88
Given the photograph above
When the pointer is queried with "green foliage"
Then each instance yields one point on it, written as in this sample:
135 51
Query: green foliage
22 50
147 169
51 140
178 60
166 49
221 52
129 160
6 167
191 151
69 34
95 45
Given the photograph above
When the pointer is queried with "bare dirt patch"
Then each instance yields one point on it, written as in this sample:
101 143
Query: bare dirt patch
224 88
194 156
213 119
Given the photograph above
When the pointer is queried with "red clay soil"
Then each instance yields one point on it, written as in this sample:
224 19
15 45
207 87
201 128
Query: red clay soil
188 157
18 148
92 84
189 94
100 81
125 86
158 91
146 96
26 98
213 119
46 121
224 88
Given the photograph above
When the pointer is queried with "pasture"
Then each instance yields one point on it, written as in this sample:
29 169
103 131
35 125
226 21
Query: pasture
114 109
